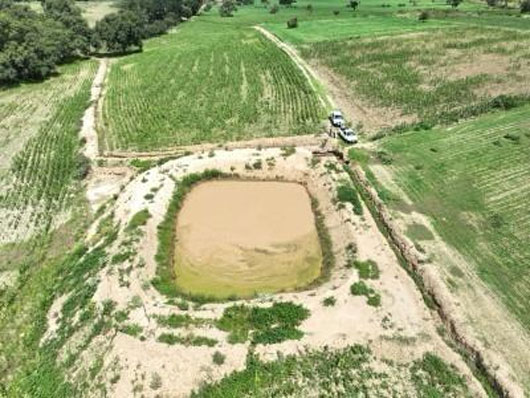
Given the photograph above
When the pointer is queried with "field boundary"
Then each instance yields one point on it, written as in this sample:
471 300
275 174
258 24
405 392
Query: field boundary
470 348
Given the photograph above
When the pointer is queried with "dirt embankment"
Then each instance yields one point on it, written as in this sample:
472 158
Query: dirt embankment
485 361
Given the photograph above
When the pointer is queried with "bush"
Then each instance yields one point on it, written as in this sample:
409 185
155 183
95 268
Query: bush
367 269
82 166
362 289
336 12
525 6
347 194
424 16
292 23
218 358
329 301
274 9
263 325
227 8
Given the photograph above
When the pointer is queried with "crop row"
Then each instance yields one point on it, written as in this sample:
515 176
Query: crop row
40 181
193 87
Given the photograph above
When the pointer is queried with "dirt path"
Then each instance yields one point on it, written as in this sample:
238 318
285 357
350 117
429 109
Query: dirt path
88 128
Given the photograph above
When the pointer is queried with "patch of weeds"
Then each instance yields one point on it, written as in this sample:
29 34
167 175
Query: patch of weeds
156 381
515 138
135 302
188 340
346 193
179 321
263 325
419 232
121 316
132 329
149 196
431 374
362 289
384 157
218 358
257 165
367 269
142 164
287 151
326 244
329 301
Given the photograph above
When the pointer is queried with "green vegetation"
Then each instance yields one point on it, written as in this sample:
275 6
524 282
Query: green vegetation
362 289
352 370
179 321
367 269
428 77
132 329
218 358
472 181
187 340
43 178
241 84
263 325
138 220
346 193
329 301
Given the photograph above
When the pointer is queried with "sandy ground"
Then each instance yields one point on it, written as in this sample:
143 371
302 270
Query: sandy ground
401 329
242 237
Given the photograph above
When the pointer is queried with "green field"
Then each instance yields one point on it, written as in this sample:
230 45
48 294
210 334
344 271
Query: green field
473 180
210 81
40 131
430 77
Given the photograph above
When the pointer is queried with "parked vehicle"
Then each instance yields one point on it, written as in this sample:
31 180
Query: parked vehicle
348 135
336 118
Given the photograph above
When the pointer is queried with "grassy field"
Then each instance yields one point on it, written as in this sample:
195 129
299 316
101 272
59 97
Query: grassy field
430 77
473 180
40 129
210 81
352 371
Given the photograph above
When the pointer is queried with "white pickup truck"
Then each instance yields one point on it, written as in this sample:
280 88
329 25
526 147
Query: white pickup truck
336 119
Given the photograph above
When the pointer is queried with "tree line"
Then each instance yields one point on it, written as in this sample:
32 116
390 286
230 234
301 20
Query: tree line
32 43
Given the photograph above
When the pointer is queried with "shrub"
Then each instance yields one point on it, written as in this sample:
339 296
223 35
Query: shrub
188 340
309 8
138 220
292 23
367 269
227 8
336 12
263 325
274 9
82 166
218 358
347 194
132 329
362 289
329 301
525 6
424 16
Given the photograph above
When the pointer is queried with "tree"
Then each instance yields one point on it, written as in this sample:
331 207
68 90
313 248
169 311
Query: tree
274 9
118 32
354 4
292 23
492 3
67 13
287 2
424 16
525 6
227 8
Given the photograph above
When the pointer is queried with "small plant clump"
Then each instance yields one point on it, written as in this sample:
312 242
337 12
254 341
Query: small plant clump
362 289
263 325
292 23
218 358
367 269
347 194
329 301
188 340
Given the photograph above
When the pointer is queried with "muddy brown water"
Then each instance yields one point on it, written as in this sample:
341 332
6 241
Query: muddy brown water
246 237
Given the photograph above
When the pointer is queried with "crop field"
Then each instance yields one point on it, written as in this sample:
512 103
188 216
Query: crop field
40 130
439 76
208 82
473 180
